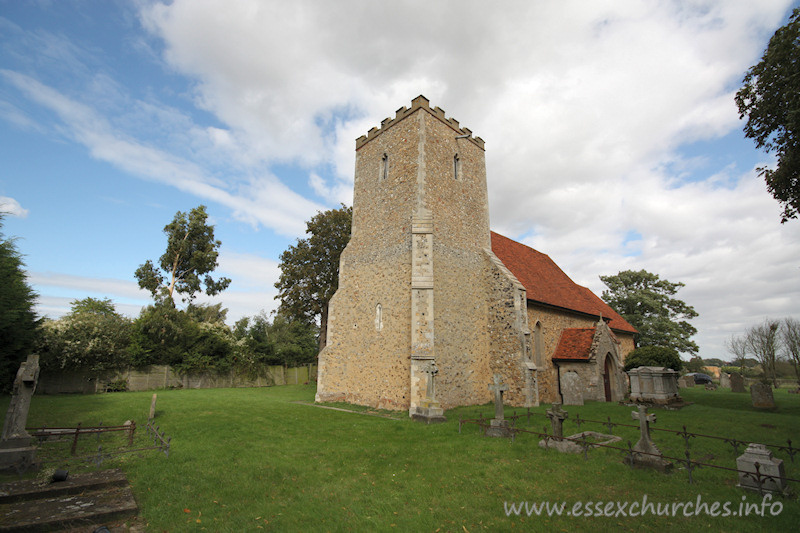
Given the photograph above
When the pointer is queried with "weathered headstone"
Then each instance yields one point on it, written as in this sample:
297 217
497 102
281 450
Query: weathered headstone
737 382
724 380
761 394
649 455
557 417
79 502
572 388
429 410
15 444
684 382
654 384
770 475
498 426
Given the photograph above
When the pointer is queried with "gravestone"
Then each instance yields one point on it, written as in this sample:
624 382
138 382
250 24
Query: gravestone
429 410
724 380
557 417
654 384
737 382
684 382
15 444
81 502
649 455
498 426
572 388
770 476
761 394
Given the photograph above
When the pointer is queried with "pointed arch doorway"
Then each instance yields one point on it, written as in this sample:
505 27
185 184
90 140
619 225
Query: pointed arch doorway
607 377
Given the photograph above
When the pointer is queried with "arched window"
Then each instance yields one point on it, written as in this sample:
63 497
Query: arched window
456 167
378 317
385 166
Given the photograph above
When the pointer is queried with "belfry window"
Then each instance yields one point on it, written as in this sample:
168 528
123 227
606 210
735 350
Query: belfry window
385 166
378 317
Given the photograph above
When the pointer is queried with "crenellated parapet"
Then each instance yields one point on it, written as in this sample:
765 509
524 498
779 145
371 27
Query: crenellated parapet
420 102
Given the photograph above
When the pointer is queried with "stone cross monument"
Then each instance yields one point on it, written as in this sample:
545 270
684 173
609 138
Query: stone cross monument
498 425
15 444
557 417
429 410
649 455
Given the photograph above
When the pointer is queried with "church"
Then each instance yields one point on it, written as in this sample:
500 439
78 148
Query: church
432 304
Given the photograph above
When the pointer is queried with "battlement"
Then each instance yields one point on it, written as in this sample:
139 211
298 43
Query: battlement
420 102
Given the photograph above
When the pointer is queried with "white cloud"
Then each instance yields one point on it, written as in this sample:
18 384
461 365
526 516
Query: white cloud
261 199
12 207
584 108
251 291
581 106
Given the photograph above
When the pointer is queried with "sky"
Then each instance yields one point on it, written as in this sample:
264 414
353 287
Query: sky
613 141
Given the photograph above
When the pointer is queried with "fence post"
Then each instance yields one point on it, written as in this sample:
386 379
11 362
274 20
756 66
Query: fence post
75 440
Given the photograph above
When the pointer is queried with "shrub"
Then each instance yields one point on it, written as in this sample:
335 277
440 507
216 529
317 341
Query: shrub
653 356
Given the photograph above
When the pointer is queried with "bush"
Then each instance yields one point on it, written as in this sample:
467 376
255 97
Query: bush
120 385
91 337
653 356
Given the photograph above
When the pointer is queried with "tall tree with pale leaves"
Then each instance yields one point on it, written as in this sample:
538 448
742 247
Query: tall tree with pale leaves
186 266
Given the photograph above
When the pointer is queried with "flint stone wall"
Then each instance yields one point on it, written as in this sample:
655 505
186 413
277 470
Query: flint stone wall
553 322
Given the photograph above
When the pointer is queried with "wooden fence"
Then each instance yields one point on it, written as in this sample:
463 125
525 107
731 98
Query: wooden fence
164 377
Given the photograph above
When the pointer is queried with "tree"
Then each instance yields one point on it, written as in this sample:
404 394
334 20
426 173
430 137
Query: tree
104 307
695 364
737 347
18 321
645 301
292 341
790 332
191 254
770 97
161 335
209 313
92 336
653 356
763 342
310 269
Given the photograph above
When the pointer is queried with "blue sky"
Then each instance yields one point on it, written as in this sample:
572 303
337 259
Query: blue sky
612 138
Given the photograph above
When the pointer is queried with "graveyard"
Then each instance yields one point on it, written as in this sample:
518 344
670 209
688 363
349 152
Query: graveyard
268 458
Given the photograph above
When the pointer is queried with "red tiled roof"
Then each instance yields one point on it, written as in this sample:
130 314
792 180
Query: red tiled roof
575 344
544 282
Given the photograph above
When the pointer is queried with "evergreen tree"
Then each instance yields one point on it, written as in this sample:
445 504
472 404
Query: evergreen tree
647 303
18 320
310 269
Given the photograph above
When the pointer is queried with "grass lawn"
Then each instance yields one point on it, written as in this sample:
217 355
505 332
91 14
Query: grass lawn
246 459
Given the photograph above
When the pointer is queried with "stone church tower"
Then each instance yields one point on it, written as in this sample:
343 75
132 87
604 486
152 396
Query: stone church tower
420 291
